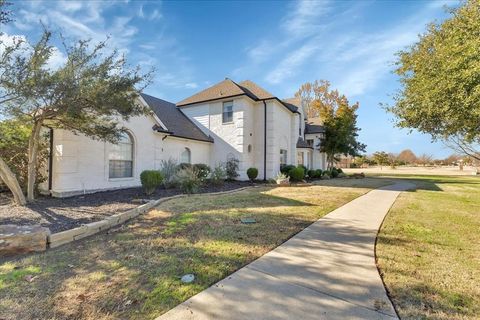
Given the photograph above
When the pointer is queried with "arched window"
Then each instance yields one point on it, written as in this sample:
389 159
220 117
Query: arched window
186 156
120 158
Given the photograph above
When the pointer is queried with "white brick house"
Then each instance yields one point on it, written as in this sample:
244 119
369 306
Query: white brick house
226 120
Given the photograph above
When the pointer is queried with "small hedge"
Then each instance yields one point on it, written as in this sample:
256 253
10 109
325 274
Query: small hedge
305 169
312 174
297 174
150 180
252 173
203 171
285 169
318 173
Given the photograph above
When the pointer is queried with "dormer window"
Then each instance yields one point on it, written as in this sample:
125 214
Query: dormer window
227 114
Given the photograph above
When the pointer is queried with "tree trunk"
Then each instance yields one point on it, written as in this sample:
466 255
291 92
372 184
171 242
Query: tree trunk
32 160
12 183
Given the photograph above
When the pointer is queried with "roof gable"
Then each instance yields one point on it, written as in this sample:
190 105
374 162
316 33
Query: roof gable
176 122
223 89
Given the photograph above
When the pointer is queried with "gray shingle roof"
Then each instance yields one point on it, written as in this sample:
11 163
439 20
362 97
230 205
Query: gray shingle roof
177 123
228 88
314 125
303 144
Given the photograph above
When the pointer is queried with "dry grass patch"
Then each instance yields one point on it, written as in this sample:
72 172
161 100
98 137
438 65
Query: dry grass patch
133 272
429 249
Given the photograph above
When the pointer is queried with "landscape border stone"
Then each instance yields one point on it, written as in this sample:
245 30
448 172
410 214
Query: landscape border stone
60 238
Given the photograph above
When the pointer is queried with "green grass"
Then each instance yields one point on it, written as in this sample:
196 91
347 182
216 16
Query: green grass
429 249
133 272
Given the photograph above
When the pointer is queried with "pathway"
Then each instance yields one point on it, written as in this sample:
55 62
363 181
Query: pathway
327 271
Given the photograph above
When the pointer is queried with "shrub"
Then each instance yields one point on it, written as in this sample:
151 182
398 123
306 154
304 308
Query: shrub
327 173
188 180
281 177
169 168
218 175
305 169
312 174
203 170
252 173
339 170
150 180
318 173
285 169
232 169
334 173
297 174
184 165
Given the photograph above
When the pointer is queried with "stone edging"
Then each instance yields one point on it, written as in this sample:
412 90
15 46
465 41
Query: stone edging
60 238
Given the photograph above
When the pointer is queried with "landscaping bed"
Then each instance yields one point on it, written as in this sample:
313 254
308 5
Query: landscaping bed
133 271
60 214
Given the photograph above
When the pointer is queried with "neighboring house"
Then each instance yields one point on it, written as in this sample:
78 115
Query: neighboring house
227 120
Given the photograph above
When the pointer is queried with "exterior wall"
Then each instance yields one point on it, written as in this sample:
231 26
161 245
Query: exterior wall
80 164
319 158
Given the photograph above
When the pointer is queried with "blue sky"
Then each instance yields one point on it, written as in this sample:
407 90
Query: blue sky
279 45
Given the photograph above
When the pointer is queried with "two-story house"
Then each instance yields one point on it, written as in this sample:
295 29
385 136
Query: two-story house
227 120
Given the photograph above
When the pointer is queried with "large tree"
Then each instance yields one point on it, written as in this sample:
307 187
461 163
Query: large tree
440 81
5 14
90 93
381 158
407 156
338 116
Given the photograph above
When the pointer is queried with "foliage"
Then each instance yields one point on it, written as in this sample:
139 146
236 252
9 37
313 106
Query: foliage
407 157
318 173
168 168
203 170
339 170
297 174
4 12
231 167
285 169
14 150
334 173
311 174
381 158
150 179
305 169
439 77
91 93
338 116
252 173
218 175
188 180
425 159
184 165
281 176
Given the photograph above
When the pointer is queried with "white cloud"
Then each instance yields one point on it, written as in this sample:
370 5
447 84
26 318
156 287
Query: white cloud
191 85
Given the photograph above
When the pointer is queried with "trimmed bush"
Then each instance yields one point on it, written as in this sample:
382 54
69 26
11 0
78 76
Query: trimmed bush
203 170
231 168
305 169
312 174
188 180
334 173
150 180
218 175
339 170
252 173
318 173
297 174
285 169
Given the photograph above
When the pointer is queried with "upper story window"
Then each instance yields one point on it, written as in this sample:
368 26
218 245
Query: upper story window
227 114
186 156
310 142
120 158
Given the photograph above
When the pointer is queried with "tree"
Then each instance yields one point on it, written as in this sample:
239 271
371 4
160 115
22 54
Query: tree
425 159
381 158
407 156
440 81
90 93
338 116
4 12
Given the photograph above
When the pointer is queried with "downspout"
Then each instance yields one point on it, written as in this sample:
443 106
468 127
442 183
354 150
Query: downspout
265 142
50 163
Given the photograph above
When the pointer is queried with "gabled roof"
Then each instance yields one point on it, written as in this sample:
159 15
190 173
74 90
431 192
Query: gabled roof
303 144
229 89
176 122
314 125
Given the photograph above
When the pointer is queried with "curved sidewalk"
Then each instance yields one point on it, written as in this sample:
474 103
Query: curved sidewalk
326 271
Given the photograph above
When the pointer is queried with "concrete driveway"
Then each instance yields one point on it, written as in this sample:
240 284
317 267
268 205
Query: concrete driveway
327 271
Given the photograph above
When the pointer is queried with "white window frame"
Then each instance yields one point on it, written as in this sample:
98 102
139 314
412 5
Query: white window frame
186 156
283 157
227 111
112 149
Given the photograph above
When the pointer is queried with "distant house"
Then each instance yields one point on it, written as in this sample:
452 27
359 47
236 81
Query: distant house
227 120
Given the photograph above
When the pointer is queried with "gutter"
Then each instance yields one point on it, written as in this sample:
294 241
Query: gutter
265 142
50 161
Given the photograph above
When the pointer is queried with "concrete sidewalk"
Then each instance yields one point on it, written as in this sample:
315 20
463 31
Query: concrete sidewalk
327 271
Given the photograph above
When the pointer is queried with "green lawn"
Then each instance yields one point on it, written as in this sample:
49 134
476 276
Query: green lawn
429 249
133 272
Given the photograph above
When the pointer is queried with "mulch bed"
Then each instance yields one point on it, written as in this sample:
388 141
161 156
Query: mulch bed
60 214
